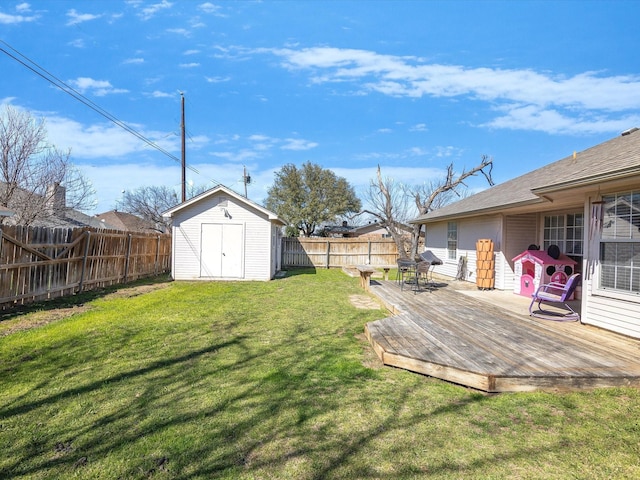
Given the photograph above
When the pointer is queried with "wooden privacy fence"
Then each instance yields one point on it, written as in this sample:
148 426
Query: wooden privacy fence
337 252
38 263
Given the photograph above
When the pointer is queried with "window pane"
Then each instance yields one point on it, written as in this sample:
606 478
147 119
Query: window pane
635 226
607 276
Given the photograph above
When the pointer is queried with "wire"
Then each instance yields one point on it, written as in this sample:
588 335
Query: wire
49 77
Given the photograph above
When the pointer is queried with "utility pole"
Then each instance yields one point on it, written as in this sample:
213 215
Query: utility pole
247 180
184 153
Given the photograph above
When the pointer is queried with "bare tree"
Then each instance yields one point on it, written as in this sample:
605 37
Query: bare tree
389 200
36 178
391 208
150 202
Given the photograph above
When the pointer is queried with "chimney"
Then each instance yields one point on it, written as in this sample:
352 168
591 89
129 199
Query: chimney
56 199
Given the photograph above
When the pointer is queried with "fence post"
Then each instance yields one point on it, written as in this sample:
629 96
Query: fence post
126 260
369 252
84 260
328 252
156 266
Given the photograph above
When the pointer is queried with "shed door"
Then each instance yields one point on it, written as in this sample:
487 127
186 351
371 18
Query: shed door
221 254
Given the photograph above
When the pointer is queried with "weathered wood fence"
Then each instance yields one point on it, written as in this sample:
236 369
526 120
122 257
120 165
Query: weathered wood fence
337 252
39 263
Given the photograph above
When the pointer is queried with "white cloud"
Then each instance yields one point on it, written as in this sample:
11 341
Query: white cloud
573 102
159 94
99 88
23 7
191 52
150 11
420 127
217 79
180 31
132 61
76 18
298 144
189 65
8 19
209 7
103 140
531 117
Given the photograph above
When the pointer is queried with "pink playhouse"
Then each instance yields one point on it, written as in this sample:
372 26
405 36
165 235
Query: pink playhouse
536 267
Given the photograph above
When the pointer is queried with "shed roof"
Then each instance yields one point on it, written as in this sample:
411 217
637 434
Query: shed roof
614 159
214 191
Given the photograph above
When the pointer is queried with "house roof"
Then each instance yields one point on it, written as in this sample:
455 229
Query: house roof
126 221
612 160
214 191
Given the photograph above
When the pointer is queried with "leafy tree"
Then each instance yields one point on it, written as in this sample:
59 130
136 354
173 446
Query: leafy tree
310 195
33 173
389 200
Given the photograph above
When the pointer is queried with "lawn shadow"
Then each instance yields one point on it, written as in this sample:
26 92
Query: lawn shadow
295 271
79 299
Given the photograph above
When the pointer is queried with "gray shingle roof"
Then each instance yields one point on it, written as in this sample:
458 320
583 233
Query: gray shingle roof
612 159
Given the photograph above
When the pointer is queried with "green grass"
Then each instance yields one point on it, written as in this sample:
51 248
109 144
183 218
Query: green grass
273 381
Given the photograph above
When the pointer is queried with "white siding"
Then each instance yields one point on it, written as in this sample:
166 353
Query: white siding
469 232
221 209
602 309
520 232
613 314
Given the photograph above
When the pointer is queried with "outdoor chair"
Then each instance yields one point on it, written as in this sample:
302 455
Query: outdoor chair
556 294
406 268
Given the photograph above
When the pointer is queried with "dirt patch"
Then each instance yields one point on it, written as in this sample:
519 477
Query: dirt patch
32 317
369 357
364 302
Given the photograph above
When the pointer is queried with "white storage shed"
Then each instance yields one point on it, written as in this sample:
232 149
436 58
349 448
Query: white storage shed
221 235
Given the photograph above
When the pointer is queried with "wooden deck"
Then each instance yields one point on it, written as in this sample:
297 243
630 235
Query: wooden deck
476 342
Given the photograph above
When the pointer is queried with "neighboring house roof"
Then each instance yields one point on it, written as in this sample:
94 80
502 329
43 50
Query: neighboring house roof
216 190
71 218
54 212
612 160
127 222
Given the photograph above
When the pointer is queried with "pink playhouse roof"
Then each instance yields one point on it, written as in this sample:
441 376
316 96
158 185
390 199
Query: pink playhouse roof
543 258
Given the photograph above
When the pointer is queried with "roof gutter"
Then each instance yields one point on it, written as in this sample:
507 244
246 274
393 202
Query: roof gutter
477 213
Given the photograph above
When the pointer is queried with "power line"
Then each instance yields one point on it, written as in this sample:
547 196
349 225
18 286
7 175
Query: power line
49 77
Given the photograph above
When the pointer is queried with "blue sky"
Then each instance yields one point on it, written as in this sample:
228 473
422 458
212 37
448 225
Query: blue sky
408 85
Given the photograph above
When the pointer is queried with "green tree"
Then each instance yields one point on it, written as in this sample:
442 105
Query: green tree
310 195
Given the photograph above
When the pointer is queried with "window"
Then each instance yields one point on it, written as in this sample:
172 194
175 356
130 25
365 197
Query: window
620 243
452 240
567 232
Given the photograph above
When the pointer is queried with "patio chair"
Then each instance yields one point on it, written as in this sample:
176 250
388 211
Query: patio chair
406 268
557 294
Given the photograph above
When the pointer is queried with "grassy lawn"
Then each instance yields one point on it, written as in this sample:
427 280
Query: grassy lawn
272 381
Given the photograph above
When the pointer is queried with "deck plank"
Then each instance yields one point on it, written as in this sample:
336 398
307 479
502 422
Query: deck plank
452 336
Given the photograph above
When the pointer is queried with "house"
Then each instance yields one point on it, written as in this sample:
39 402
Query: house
370 230
587 204
49 210
221 235
129 222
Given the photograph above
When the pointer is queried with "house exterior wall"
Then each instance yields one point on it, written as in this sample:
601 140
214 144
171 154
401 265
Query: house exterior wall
469 232
618 312
257 239
601 308
520 231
